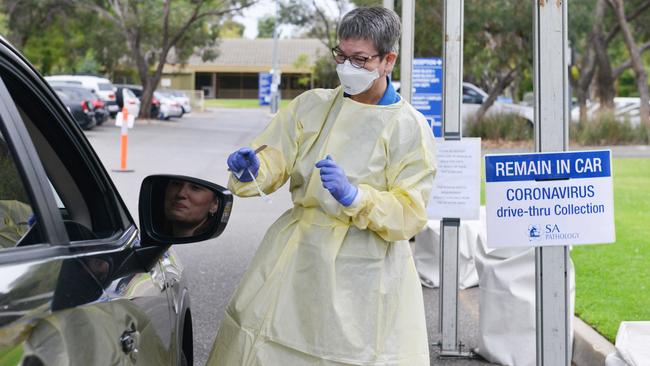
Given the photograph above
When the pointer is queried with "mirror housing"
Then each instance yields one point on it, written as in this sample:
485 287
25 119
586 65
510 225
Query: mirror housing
177 209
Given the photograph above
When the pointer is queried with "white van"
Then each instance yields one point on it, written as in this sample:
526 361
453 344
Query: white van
102 86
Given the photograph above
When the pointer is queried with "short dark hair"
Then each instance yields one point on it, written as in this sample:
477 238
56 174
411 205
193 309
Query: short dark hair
380 25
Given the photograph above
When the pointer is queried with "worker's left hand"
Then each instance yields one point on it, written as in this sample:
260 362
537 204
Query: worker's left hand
336 182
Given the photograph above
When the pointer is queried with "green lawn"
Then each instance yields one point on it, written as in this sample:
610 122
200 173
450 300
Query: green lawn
11 356
613 281
239 103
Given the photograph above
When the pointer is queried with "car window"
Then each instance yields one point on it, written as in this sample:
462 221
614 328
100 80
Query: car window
471 96
105 86
72 93
88 205
137 92
62 95
16 216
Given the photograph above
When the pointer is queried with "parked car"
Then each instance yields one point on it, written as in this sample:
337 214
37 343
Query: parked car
102 86
180 97
126 98
625 109
80 283
137 90
80 108
101 114
168 106
473 97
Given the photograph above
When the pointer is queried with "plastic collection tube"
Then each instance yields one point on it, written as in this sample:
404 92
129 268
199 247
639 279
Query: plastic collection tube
265 197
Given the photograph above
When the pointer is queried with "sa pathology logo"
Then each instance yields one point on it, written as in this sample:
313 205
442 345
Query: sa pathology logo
534 233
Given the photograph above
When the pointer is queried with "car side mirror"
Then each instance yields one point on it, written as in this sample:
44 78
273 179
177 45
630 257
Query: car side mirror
177 209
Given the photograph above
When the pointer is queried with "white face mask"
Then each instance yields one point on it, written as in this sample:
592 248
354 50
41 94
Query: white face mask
355 81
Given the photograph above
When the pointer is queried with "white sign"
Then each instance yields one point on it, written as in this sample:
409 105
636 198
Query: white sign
165 82
549 199
456 188
120 117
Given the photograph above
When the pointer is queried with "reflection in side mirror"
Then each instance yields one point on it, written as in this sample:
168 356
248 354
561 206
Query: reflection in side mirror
177 209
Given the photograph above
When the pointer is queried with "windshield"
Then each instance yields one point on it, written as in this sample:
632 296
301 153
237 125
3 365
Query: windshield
105 86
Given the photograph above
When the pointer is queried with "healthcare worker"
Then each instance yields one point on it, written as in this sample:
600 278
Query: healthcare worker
333 281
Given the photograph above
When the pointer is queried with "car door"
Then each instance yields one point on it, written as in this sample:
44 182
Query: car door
73 286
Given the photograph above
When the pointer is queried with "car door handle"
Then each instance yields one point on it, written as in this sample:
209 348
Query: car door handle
170 283
129 343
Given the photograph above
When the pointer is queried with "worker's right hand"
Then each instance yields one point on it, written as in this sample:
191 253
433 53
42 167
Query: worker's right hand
243 163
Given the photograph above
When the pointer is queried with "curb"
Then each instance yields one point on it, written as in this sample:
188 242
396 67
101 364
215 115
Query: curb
589 347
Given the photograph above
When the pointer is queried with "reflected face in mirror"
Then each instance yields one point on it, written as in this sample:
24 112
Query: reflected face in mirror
188 208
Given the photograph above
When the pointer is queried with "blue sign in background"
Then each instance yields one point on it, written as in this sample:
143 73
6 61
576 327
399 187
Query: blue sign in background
265 88
427 91
564 165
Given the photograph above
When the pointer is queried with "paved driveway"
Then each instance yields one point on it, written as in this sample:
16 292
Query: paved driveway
198 145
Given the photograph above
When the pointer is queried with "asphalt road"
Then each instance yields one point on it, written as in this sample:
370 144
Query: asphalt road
197 145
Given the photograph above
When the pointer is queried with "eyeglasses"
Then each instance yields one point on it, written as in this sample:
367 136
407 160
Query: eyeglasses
356 61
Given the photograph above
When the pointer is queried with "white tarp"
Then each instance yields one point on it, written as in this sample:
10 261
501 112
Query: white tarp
507 304
632 345
426 252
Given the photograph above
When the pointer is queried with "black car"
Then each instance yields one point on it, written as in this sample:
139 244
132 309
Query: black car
80 284
80 108
98 106
137 90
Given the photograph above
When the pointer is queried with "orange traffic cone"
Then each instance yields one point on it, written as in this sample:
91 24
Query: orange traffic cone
124 142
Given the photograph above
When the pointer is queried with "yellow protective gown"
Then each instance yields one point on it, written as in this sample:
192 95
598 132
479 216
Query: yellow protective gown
335 285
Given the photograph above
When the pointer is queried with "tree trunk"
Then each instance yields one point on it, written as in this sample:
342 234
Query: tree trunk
604 77
637 62
583 83
133 39
494 92
150 83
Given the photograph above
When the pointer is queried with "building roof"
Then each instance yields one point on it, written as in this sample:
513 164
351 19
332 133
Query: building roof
256 55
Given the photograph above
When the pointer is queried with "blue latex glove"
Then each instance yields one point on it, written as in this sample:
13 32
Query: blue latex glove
336 182
242 161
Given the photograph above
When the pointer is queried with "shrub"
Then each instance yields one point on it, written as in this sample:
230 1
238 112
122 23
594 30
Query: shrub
499 126
604 129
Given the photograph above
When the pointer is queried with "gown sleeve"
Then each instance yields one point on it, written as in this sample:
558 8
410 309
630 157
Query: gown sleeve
278 158
399 212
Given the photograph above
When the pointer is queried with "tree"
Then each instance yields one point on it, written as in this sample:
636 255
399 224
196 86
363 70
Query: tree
600 48
635 58
265 27
57 38
153 29
321 22
25 18
231 29
587 34
498 45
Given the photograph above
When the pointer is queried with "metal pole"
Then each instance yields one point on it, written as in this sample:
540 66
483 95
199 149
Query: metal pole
452 81
551 134
406 69
389 4
275 82
452 77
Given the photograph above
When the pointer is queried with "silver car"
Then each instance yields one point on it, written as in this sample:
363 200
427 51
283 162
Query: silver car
80 282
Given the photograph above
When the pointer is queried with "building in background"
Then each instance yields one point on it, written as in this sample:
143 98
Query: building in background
235 72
